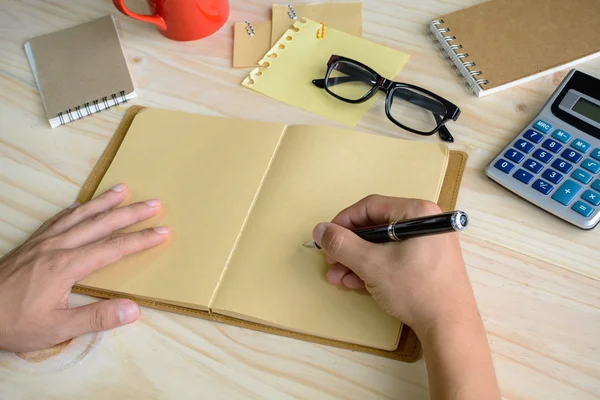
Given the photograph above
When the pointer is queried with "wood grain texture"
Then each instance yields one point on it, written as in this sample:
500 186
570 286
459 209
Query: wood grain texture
542 320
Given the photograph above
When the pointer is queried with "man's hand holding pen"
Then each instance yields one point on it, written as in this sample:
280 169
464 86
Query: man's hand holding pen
423 282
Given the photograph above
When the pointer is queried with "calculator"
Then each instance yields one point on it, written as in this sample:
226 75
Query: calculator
554 162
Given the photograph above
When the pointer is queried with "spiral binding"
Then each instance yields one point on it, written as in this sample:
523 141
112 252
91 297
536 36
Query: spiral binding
459 56
86 109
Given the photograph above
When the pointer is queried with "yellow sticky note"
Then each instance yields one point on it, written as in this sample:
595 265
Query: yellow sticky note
287 70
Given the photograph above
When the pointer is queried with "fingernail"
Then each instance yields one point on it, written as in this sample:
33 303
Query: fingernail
161 230
128 312
318 233
153 203
119 188
74 205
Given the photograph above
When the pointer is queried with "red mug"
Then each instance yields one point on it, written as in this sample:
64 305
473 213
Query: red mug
183 20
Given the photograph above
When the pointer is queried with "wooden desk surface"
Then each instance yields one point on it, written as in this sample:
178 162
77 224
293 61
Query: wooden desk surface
542 320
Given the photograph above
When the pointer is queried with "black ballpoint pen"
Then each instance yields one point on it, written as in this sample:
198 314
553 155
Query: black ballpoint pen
453 221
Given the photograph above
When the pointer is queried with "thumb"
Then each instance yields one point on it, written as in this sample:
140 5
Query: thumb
99 316
345 247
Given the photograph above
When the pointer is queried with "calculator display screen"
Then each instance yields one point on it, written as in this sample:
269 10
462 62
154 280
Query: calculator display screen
587 109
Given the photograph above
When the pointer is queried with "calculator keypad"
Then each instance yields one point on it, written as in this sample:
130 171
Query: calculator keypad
584 209
591 166
567 192
552 176
524 146
571 155
562 136
514 155
523 176
533 136
552 145
542 187
543 156
542 161
582 176
562 166
581 145
534 166
591 197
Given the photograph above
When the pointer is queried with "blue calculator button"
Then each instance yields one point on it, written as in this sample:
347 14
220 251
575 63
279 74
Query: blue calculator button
542 126
567 192
534 166
542 186
581 176
596 154
552 145
523 176
591 197
504 166
591 165
552 176
581 145
582 208
572 155
596 185
524 146
562 166
543 156
562 136
534 136
514 155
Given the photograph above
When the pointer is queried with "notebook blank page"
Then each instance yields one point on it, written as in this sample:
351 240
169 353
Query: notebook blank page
206 171
317 172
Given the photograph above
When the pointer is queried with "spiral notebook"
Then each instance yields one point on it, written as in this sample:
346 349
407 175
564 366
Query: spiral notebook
503 43
80 70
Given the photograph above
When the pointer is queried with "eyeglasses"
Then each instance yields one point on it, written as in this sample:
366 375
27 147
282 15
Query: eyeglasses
421 111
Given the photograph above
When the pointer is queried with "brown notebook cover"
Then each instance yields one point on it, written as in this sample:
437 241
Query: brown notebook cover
503 43
409 348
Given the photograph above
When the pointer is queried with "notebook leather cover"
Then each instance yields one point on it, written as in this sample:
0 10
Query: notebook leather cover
512 41
409 348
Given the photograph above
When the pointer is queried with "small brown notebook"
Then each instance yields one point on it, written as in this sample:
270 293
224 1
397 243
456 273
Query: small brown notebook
245 197
503 43
80 70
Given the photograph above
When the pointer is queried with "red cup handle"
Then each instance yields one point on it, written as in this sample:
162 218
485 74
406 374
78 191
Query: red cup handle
153 19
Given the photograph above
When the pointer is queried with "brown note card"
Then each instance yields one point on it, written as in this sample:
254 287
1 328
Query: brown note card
251 41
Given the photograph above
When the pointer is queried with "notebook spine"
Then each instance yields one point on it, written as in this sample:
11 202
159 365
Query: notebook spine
461 60
89 108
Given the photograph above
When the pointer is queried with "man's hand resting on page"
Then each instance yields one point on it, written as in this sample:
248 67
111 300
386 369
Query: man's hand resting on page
36 278
421 281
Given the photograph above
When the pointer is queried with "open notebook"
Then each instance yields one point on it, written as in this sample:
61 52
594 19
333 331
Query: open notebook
241 197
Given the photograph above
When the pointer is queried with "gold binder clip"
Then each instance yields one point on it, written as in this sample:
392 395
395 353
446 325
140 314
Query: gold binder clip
250 28
321 32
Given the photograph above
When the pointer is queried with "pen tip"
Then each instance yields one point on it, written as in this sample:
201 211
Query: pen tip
310 244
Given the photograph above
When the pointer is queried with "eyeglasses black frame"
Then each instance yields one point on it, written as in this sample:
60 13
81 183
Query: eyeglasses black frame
389 86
